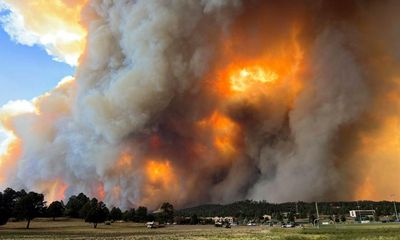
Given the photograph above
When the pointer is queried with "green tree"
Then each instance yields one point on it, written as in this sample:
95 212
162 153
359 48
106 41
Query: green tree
74 205
150 217
129 215
115 214
84 211
194 219
279 217
56 209
167 212
29 205
141 214
98 212
4 210
7 202
311 218
291 217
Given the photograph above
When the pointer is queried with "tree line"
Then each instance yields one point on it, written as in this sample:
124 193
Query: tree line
21 205
255 209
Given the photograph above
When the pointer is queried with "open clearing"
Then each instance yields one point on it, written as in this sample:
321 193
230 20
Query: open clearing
77 229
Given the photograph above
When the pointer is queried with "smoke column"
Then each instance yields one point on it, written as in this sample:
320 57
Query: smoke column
209 101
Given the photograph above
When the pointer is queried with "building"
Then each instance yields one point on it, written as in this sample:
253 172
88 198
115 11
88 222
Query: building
362 214
223 219
267 217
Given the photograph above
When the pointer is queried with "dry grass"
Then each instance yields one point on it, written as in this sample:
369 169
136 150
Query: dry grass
77 229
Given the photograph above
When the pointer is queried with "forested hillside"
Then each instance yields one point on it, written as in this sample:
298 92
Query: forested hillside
251 208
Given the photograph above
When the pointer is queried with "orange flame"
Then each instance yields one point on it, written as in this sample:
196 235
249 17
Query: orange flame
224 131
8 158
162 181
378 161
54 190
264 74
159 172
100 192
247 77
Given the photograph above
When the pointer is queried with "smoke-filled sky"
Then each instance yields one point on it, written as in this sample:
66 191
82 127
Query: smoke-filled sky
208 101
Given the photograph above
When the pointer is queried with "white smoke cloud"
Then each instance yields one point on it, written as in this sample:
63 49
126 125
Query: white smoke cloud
59 31
4 140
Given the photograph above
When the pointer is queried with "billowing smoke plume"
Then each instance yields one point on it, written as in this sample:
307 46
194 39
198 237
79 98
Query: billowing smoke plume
52 24
209 101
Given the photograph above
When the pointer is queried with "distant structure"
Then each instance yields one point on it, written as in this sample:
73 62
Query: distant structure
362 214
223 219
267 217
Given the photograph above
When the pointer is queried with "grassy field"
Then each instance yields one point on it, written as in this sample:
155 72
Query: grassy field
76 229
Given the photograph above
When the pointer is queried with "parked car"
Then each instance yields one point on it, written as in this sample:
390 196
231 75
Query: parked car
222 224
288 225
154 225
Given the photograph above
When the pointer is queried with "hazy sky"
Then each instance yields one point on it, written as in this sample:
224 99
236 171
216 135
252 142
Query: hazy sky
26 72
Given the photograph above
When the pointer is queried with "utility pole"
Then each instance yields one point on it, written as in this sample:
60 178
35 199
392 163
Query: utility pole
394 205
316 208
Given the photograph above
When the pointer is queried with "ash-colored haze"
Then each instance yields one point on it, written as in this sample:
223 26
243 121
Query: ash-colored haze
153 115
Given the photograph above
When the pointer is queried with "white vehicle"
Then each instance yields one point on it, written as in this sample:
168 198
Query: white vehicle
150 224
288 225
154 225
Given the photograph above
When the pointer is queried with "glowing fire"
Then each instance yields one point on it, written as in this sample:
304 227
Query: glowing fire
55 190
159 172
247 77
224 131
382 144
161 181
7 158
101 193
